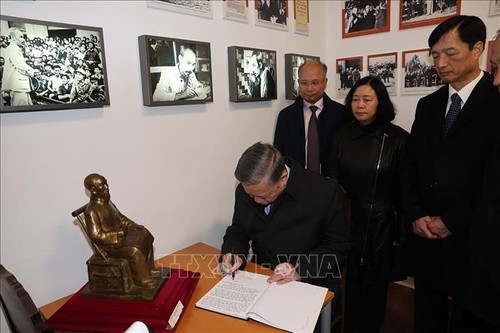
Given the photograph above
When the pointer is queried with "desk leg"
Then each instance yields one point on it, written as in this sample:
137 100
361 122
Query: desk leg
326 318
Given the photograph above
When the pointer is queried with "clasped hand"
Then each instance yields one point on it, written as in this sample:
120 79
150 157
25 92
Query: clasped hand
431 227
284 273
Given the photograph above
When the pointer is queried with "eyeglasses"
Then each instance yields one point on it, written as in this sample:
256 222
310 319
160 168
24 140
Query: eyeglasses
313 83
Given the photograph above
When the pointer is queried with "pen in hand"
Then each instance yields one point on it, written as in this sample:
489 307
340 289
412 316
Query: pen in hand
232 264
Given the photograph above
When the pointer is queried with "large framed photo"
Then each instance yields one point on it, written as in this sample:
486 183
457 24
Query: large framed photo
51 66
419 75
272 14
252 74
419 13
365 17
349 70
175 71
292 65
384 66
193 7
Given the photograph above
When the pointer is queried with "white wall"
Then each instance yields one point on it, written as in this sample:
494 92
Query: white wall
170 168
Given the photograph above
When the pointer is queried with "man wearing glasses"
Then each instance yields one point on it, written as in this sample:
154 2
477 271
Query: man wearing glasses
292 133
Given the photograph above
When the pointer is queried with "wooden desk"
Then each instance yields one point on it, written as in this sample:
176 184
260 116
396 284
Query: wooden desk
203 258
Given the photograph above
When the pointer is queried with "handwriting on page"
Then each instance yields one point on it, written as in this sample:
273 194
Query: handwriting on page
231 297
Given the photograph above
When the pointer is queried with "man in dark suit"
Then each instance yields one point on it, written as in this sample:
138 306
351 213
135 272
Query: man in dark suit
293 217
293 121
444 168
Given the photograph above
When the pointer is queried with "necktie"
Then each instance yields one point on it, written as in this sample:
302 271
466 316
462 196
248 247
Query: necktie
313 141
452 112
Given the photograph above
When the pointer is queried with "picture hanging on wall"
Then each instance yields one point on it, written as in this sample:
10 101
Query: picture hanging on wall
494 7
51 66
419 13
193 7
175 71
419 74
365 17
292 64
236 10
252 74
272 14
348 71
384 66
301 15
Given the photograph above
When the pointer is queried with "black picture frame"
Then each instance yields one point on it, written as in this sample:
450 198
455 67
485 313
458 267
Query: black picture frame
55 57
175 71
292 63
244 85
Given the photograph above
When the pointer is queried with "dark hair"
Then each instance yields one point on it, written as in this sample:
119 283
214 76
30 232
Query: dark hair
471 30
385 109
258 162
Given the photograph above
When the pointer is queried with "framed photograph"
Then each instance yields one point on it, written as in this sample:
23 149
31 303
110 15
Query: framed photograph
272 14
175 71
193 7
419 13
348 71
51 66
419 74
301 16
365 17
292 64
252 74
384 66
494 7
236 10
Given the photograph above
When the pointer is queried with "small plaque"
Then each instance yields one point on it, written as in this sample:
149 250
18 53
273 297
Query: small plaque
175 315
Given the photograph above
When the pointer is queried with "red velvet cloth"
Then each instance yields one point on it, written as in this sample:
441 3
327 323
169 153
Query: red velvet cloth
87 314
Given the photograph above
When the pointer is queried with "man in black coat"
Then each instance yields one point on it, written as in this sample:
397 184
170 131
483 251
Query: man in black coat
444 170
291 127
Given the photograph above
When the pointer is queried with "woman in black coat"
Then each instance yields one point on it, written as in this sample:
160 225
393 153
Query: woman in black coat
365 158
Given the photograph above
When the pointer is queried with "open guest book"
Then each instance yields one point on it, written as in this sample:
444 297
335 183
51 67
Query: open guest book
293 306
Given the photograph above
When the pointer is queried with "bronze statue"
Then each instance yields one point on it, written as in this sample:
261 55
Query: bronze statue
123 265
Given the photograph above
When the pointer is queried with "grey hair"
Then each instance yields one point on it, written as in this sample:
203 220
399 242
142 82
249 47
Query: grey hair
259 162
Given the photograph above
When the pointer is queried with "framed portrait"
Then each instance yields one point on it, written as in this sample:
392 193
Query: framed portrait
175 71
494 8
51 66
419 74
292 63
272 14
236 10
301 16
193 7
365 17
419 13
384 66
348 71
252 74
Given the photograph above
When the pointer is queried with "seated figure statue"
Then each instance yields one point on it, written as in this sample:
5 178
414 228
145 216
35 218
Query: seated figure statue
117 236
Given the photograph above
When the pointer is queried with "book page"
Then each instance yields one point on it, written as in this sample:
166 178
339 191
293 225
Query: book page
235 298
293 306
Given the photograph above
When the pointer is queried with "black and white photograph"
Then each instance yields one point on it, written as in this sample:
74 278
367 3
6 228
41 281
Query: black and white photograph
272 14
292 65
175 71
252 74
348 71
363 17
494 8
416 13
419 75
51 66
384 66
193 7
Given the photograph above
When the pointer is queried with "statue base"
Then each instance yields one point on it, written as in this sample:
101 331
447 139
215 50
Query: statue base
88 314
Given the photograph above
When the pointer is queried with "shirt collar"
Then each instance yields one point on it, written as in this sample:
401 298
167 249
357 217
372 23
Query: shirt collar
466 91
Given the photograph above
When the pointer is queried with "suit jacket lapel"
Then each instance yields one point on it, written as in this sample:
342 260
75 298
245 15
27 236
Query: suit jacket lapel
437 116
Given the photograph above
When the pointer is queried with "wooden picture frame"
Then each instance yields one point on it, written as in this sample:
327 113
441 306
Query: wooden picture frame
175 71
419 74
372 18
385 67
348 71
201 8
416 14
252 74
292 63
271 14
57 66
